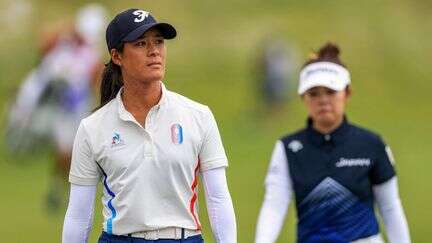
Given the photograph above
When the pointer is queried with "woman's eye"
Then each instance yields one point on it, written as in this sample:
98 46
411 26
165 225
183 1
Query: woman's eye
313 94
160 41
331 92
140 43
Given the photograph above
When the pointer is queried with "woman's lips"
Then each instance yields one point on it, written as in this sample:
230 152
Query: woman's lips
323 111
154 64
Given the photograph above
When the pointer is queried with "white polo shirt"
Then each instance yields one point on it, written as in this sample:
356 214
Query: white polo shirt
149 173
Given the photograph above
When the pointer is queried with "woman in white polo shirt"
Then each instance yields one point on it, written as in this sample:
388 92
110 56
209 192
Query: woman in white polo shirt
147 145
336 171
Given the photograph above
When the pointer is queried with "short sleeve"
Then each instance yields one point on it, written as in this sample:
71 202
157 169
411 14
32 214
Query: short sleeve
212 154
382 169
84 170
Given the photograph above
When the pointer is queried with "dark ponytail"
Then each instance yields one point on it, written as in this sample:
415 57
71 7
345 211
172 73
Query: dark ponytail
111 82
327 53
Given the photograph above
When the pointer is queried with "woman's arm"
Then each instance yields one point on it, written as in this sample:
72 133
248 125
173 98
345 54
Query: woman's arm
79 215
277 197
219 205
387 198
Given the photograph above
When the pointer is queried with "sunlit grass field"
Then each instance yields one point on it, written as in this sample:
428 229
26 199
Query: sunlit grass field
385 43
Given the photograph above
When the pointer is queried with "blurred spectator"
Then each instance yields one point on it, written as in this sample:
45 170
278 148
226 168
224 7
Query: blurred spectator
277 63
57 94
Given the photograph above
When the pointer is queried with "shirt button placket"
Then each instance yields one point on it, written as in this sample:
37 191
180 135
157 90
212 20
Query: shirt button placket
148 148
149 122
148 144
328 146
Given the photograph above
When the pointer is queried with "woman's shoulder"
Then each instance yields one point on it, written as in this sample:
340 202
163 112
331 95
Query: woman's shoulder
356 133
298 135
98 116
365 134
181 101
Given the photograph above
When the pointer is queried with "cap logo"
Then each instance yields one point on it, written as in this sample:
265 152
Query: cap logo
141 15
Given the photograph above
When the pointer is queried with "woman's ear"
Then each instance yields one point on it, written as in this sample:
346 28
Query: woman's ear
115 57
302 97
348 91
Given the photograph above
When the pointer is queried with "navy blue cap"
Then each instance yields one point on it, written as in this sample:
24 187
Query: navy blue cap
131 24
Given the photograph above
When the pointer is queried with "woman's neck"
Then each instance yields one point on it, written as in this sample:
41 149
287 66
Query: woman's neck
139 98
327 128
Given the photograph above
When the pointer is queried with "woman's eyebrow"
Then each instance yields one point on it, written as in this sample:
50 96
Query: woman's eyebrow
146 36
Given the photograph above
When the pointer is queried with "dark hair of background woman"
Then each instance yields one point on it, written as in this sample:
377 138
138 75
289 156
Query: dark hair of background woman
327 53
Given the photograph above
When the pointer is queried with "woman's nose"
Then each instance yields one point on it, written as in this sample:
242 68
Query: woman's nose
323 98
152 49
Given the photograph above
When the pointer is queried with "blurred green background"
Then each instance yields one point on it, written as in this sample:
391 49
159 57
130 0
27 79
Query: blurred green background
385 43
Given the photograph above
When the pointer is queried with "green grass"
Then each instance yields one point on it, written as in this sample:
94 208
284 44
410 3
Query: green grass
386 45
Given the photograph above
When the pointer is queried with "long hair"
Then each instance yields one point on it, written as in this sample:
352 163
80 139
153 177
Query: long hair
111 81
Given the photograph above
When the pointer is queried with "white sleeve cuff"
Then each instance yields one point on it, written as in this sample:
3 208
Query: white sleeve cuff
213 164
73 179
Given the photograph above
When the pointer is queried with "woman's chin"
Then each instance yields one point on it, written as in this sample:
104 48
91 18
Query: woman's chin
154 78
326 119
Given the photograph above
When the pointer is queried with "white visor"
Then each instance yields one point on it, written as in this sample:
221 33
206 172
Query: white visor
326 74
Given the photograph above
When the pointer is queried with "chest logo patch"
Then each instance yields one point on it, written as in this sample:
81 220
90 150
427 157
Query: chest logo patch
295 146
176 133
117 140
353 162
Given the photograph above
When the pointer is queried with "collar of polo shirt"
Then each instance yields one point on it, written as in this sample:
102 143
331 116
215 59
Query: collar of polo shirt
337 136
126 115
